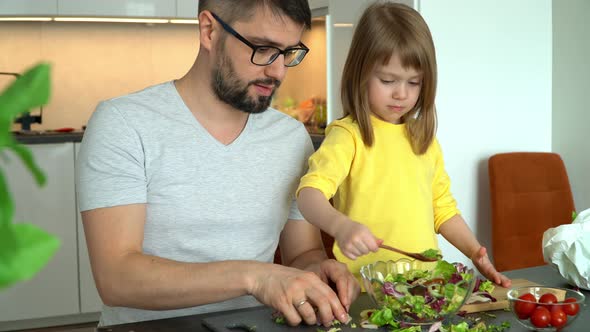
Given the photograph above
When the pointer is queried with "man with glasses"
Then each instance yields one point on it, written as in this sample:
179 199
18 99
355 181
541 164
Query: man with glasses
187 187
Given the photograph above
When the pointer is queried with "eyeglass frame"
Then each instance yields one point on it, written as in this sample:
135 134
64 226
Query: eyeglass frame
254 47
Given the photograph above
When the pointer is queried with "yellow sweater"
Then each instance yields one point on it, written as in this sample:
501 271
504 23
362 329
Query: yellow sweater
403 198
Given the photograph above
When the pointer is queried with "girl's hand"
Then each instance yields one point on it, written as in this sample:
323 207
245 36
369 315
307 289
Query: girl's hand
355 239
482 262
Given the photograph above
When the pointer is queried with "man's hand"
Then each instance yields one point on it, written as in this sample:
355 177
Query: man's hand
347 286
482 262
304 295
355 239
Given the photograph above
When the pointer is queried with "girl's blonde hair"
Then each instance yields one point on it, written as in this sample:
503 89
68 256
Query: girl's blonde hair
385 29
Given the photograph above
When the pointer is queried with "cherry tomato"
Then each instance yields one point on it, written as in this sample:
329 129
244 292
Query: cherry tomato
558 317
541 317
525 309
570 308
548 298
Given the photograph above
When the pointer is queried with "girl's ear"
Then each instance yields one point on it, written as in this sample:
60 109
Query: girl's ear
207 31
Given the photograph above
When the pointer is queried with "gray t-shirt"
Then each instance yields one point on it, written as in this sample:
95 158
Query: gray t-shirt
205 201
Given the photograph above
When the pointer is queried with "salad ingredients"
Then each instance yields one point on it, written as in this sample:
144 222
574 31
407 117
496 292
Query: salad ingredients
480 327
558 317
548 311
548 298
419 296
482 292
432 253
541 317
571 308
525 309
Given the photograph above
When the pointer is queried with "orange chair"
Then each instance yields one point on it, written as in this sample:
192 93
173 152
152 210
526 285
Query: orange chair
530 193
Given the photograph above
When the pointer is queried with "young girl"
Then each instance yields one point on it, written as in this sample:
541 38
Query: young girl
381 163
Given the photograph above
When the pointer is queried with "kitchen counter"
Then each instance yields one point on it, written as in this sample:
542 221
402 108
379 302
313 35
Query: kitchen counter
42 137
543 275
76 136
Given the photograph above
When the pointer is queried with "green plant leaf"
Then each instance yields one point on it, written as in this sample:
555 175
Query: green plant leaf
6 205
574 215
24 248
30 90
34 248
27 158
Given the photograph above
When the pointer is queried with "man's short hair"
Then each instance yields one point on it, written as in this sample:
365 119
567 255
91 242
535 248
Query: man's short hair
237 10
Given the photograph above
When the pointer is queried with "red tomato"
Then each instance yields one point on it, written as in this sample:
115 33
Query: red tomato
570 308
558 317
525 309
541 317
548 298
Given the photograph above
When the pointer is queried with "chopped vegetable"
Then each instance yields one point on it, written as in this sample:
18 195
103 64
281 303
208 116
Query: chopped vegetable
432 253
419 296
486 286
480 327
482 292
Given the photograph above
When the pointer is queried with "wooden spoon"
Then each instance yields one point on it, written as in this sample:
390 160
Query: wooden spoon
414 255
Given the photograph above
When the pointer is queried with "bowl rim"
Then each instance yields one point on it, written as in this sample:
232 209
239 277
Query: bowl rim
511 297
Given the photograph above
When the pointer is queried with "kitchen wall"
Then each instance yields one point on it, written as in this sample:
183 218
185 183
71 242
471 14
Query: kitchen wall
494 92
96 61
571 114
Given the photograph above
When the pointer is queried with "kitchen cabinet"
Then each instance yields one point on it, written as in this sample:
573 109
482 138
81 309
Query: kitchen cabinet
184 9
54 291
317 4
89 299
117 8
28 7
64 291
187 9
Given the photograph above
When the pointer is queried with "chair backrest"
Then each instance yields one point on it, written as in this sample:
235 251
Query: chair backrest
530 193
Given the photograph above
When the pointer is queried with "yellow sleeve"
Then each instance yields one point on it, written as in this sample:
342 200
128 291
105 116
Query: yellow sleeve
330 164
443 202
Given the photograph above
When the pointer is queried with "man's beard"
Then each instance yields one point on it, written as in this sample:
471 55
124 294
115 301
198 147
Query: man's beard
231 90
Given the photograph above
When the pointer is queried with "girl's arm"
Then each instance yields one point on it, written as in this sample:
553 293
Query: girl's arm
317 210
353 238
456 231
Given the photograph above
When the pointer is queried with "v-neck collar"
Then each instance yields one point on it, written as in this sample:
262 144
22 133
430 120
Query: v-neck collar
204 133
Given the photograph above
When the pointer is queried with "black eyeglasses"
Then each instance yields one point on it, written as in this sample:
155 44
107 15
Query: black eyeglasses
265 55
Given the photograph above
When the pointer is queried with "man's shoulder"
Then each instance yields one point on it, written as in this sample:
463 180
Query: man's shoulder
277 128
151 95
277 120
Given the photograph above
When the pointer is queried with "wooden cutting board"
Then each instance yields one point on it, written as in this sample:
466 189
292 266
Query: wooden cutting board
500 294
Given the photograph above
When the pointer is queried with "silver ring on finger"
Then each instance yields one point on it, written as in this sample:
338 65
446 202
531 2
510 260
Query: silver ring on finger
300 303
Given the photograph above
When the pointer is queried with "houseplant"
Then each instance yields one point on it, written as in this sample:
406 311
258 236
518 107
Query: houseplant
24 248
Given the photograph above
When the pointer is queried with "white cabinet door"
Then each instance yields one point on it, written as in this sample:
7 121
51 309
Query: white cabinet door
54 291
118 8
187 8
316 4
89 299
28 7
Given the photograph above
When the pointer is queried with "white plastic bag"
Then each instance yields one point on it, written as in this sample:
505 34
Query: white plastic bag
567 248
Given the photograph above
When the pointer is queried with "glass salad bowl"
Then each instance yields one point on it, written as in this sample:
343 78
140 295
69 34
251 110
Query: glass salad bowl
403 291
545 308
